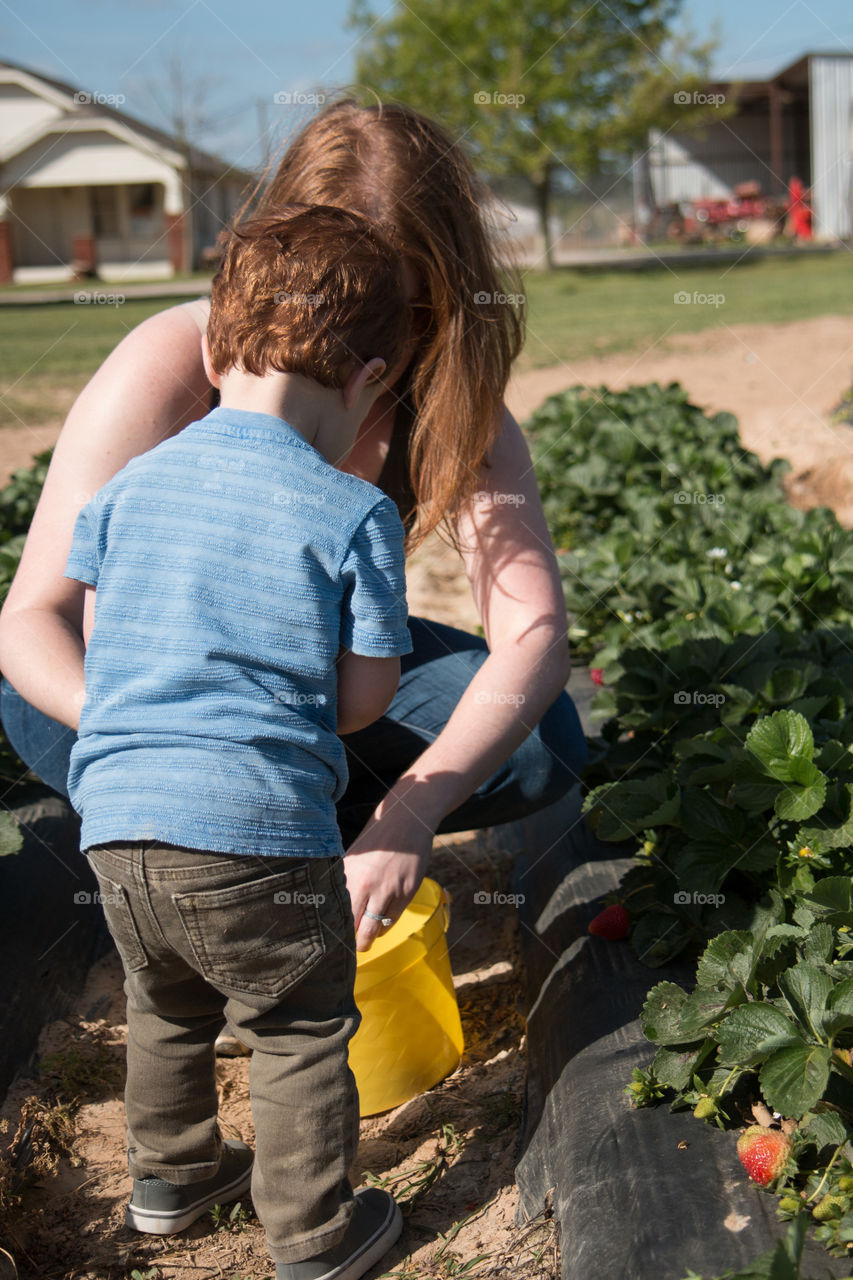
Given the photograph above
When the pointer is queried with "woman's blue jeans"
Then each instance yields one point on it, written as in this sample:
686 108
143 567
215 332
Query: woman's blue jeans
433 678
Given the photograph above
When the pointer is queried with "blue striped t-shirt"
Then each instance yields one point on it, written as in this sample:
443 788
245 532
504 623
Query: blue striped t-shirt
231 563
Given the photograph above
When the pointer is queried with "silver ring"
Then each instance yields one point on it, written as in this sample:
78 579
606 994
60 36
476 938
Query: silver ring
385 921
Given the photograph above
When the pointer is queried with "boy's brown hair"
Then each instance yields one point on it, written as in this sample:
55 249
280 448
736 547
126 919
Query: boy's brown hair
313 290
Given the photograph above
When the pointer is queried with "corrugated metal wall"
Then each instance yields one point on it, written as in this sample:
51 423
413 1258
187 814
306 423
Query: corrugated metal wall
710 163
831 101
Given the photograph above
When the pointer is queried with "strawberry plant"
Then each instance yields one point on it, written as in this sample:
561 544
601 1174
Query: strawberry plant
719 617
668 529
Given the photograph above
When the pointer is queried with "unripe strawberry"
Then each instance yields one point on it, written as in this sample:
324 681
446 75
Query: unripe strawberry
763 1153
790 1204
845 1183
705 1108
612 923
829 1207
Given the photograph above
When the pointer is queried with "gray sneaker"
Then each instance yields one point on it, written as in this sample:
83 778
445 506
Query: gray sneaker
375 1225
161 1208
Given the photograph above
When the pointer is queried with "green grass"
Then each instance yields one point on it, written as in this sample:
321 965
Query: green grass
574 314
50 352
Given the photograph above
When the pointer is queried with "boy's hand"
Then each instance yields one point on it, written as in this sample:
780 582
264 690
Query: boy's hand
384 868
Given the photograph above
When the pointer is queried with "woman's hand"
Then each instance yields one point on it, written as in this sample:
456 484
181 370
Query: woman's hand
384 866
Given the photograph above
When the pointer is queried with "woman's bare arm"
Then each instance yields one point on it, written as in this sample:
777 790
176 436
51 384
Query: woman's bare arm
510 562
150 387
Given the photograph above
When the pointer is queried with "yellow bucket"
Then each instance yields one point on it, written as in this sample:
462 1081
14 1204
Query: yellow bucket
410 1035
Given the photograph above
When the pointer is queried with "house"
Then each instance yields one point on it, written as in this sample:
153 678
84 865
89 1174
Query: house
799 123
85 188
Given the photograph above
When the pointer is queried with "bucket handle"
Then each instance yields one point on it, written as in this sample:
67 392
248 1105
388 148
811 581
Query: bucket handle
445 906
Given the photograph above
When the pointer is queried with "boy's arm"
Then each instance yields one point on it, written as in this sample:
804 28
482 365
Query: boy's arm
365 689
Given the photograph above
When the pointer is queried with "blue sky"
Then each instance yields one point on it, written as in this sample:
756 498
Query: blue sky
242 55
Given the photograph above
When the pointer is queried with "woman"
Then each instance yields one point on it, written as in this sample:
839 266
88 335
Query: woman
480 731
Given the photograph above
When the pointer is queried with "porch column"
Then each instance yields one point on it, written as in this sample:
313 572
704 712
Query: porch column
779 179
7 258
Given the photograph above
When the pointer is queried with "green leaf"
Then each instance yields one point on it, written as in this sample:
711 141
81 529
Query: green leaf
819 943
675 1067
792 1080
825 1128
661 1015
726 961
830 898
839 1008
778 739
11 835
807 990
798 802
753 1031
623 809
701 1009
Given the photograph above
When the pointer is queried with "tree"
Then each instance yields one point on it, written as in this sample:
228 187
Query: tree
543 90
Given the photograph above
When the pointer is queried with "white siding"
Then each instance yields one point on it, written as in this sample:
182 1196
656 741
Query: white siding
22 113
831 92
85 158
710 163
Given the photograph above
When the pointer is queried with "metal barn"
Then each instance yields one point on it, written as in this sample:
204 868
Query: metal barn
798 123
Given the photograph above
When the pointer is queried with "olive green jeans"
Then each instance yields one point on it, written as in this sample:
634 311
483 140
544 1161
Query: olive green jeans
266 944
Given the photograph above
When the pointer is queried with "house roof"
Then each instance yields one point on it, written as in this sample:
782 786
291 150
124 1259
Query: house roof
794 76
101 112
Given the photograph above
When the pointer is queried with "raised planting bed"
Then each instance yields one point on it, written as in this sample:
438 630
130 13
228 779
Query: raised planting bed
642 1194
51 926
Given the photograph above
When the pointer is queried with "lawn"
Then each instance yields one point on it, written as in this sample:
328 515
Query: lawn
575 314
50 351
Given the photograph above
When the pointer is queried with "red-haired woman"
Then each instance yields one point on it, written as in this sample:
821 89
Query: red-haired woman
480 731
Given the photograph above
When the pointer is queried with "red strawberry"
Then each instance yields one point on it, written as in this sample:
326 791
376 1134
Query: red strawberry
612 923
596 675
763 1152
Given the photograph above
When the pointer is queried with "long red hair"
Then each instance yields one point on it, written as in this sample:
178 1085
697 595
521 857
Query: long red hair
401 169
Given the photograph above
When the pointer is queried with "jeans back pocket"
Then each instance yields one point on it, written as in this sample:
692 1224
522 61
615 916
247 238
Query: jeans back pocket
259 937
121 923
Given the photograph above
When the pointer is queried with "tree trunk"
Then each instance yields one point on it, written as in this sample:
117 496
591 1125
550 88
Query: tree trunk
543 193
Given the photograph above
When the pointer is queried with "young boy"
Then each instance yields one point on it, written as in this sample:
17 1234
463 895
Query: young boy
244 604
